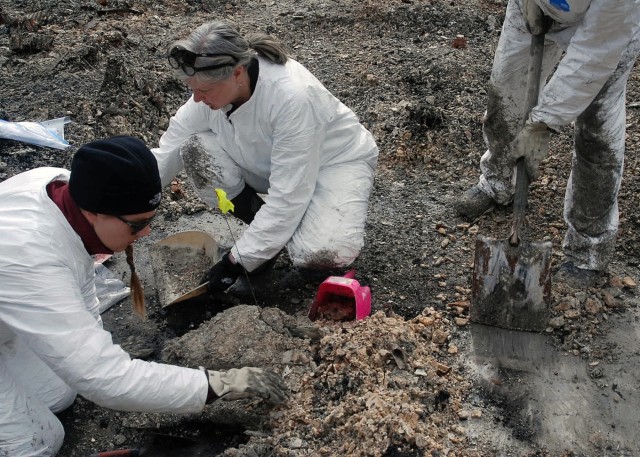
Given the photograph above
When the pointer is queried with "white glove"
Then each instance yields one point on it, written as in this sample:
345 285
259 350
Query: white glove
534 17
532 143
247 382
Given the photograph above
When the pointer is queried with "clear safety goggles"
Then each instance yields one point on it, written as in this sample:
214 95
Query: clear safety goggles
186 60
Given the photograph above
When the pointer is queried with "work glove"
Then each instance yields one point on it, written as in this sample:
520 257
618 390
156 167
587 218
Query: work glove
222 275
532 143
247 382
537 23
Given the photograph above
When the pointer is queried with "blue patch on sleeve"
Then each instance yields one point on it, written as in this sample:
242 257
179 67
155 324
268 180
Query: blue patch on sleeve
562 5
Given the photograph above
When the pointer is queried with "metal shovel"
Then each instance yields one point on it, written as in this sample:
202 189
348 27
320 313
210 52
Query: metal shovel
511 285
178 263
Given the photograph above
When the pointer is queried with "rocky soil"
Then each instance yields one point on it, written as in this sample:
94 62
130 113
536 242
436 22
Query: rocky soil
415 378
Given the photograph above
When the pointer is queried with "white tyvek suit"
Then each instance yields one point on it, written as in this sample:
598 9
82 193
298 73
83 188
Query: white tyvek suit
295 141
600 40
52 344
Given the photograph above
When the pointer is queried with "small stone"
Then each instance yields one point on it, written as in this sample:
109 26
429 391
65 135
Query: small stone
421 441
593 306
296 443
628 282
609 300
439 336
596 373
615 282
556 322
461 321
562 306
572 314
427 321
441 368
372 79
459 42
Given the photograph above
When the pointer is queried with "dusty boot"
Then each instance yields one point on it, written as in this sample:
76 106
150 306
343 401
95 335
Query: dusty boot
473 203
246 205
575 277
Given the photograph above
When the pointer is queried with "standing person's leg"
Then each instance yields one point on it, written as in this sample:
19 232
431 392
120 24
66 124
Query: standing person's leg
28 427
591 198
331 233
505 112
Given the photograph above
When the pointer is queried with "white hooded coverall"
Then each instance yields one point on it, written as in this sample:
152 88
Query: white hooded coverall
295 141
595 44
52 344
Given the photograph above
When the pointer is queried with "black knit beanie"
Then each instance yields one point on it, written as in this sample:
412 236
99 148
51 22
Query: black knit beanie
115 176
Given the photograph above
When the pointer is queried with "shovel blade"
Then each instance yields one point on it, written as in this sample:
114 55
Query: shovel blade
179 262
511 285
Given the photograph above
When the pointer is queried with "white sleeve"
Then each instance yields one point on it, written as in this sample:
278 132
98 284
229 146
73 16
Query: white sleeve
45 308
190 118
591 58
295 163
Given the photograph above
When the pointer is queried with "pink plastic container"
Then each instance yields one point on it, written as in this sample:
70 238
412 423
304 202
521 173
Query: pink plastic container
341 298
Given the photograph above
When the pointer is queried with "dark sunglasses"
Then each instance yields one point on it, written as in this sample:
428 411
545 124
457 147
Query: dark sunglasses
185 60
136 226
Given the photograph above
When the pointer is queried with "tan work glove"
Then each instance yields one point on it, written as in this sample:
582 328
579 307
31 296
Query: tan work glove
534 17
247 382
532 143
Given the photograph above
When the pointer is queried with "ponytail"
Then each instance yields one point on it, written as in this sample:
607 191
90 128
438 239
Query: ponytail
267 47
137 294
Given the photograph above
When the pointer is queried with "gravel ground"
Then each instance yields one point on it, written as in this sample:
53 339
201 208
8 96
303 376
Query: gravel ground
415 72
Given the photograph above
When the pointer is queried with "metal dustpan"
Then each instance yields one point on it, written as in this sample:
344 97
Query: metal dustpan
511 285
341 298
179 262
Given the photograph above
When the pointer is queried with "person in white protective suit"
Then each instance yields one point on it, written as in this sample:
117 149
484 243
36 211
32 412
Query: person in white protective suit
258 122
52 344
595 44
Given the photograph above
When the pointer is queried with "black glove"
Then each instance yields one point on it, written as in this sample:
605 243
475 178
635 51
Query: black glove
222 275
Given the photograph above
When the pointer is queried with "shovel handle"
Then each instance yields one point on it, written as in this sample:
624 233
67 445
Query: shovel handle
519 202
534 72
118 453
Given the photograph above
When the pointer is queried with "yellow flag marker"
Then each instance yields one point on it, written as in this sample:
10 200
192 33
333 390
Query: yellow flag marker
223 202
